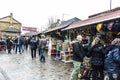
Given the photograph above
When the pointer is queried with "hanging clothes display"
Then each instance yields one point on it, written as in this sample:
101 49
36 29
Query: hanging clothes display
104 26
110 25
116 26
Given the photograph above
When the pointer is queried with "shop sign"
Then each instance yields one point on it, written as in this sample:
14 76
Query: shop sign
29 29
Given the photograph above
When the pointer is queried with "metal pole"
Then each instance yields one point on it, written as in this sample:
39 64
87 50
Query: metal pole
110 4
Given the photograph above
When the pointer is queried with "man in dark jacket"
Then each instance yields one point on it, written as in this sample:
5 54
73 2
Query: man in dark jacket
9 44
18 44
77 57
33 45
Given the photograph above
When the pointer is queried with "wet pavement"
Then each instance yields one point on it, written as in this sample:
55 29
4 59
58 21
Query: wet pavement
22 67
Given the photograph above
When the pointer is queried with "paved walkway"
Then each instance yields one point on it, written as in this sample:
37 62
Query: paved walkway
22 67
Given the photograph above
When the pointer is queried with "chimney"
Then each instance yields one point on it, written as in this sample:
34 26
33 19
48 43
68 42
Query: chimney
11 14
11 19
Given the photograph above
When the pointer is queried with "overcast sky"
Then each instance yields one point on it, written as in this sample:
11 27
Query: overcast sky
35 13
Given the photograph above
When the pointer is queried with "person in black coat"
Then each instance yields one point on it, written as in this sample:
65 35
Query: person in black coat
77 57
33 45
9 44
96 52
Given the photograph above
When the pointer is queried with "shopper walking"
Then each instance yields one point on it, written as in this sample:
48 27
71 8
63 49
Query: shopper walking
33 46
13 39
38 45
96 52
112 59
77 57
18 44
26 44
42 43
9 44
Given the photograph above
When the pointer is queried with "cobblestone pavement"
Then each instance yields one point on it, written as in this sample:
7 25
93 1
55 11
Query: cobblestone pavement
22 67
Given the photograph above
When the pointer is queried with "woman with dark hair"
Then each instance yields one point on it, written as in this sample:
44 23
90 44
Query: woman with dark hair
97 58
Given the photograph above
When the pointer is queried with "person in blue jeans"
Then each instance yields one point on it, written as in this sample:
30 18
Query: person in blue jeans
42 43
18 44
42 54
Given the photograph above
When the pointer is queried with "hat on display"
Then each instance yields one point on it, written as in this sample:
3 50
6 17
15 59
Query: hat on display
116 26
99 27
104 26
110 25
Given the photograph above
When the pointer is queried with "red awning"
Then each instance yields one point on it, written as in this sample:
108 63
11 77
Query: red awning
97 19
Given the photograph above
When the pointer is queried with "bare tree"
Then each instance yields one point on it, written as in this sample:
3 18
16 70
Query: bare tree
53 22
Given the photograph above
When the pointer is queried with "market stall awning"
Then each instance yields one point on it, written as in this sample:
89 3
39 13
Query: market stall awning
97 19
63 24
11 29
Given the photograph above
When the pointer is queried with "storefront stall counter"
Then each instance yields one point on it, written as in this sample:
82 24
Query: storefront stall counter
66 56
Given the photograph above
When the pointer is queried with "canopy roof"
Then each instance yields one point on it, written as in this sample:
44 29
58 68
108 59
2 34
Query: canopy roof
93 20
64 24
